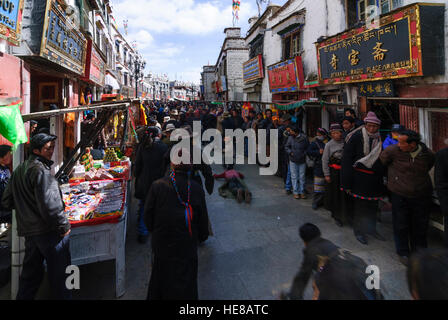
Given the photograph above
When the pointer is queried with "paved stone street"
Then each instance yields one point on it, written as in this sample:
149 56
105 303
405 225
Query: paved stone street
255 253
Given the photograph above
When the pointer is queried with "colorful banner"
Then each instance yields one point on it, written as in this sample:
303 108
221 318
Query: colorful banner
253 69
11 20
286 76
95 70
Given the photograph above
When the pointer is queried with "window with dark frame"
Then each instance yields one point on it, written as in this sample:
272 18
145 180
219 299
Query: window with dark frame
291 45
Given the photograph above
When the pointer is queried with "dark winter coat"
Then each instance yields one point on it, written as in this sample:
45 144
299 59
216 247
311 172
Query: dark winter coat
316 247
441 179
209 121
408 177
175 268
314 153
366 185
34 192
296 148
149 166
232 123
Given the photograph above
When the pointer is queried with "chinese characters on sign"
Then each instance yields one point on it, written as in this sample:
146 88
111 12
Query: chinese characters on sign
353 57
376 89
63 44
378 54
286 76
408 42
366 54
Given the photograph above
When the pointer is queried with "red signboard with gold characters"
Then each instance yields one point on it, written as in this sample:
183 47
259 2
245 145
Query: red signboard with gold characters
286 76
406 42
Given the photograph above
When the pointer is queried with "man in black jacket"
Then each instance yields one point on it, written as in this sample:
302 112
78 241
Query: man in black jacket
441 181
338 273
35 195
149 167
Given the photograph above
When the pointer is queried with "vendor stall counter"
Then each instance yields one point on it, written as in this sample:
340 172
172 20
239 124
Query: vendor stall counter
101 242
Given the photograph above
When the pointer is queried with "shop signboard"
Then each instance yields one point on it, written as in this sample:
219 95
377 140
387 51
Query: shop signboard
286 76
376 89
95 66
253 69
11 20
408 42
62 43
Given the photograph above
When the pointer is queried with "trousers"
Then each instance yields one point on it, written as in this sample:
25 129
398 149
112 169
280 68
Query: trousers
365 216
298 177
411 223
55 250
141 226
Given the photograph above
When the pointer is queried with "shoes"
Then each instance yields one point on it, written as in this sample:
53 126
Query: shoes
404 260
142 239
361 238
288 192
379 237
296 196
338 223
248 196
303 196
240 195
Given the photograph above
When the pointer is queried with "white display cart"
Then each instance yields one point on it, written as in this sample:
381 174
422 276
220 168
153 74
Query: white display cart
102 242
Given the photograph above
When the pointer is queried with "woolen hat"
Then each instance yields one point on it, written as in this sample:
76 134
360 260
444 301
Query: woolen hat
336 127
372 118
322 131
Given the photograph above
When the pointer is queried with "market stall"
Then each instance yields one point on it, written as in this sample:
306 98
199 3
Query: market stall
96 195
96 200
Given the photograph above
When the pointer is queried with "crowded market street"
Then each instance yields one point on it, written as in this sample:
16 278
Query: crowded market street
255 253
248 150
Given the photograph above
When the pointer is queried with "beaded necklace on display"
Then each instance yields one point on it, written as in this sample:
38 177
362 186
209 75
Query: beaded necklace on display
188 208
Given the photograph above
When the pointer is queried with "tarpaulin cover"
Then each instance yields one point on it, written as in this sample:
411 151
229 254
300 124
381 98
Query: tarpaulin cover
11 124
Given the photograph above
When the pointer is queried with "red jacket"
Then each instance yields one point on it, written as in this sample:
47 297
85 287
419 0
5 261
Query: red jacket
229 174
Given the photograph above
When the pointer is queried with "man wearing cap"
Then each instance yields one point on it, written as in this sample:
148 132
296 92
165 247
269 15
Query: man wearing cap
35 195
392 138
362 176
409 163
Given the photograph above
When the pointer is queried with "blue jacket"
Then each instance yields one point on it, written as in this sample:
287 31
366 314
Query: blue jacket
389 142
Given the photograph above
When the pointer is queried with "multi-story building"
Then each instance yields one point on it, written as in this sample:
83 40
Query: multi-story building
159 87
294 57
228 70
207 79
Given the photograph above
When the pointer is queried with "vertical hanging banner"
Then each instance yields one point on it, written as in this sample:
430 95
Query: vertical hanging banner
235 9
